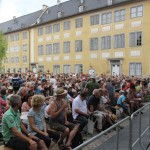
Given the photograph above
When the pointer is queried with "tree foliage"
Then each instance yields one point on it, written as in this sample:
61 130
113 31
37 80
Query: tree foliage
3 48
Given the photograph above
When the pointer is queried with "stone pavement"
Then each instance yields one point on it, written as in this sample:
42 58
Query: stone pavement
108 142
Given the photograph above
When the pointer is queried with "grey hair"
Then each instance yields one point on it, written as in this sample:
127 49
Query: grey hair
20 90
14 100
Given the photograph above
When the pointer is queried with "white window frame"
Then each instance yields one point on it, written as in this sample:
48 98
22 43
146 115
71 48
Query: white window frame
135 69
135 39
78 68
67 69
78 46
135 12
49 49
40 50
66 47
94 43
56 48
94 19
106 42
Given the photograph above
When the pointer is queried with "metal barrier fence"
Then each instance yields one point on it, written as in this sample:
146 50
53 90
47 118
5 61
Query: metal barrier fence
140 133
130 119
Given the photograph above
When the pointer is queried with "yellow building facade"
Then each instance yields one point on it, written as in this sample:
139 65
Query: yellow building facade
113 39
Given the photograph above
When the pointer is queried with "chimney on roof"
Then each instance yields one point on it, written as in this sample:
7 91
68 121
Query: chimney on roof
45 7
14 19
58 2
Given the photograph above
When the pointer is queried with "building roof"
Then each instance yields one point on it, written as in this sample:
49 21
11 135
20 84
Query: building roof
68 9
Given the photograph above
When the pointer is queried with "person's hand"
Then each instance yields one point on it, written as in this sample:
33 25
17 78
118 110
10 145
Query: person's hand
33 137
45 133
32 143
66 122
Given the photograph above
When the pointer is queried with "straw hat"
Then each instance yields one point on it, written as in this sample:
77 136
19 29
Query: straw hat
60 92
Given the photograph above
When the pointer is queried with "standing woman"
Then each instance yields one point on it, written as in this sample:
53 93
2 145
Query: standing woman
36 121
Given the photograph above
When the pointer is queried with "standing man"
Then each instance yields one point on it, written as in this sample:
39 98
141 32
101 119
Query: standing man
91 85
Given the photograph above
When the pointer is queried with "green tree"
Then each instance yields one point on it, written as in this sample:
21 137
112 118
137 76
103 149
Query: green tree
3 48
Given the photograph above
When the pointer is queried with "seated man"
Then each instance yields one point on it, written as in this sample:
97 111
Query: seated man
80 111
58 119
12 126
122 102
101 112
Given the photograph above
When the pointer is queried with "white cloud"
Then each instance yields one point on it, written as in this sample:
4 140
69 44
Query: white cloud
10 8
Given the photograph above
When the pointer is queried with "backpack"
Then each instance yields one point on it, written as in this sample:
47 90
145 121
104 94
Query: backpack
77 140
15 83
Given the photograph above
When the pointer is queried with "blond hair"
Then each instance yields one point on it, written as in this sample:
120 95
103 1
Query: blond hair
37 100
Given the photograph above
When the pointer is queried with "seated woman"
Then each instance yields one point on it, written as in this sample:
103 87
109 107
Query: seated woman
25 108
58 120
36 121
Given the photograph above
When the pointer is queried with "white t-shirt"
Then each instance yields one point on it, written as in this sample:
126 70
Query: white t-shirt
78 104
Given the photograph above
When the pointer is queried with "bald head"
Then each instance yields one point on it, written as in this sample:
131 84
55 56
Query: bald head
96 93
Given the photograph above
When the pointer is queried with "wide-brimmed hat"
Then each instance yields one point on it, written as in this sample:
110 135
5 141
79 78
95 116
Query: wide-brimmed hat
60 92
121 91
10 88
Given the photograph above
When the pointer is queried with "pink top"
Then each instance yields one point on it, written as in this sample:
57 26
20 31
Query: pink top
2 103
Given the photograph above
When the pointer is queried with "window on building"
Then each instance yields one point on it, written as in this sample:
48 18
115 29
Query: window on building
24 59
11 59
41 68
6 60
78 45
24 35
119 41
137 11
120 15
26 70
79 22
56 69
40 31
81 8
94 20
107 18
17 37
59 14
48 49
40 50
67 69
135 39
48 29
17 48
135 69
66 47
94 44
67 25
17 59
56 48
12 37
25 47
106 42
56 27
78 68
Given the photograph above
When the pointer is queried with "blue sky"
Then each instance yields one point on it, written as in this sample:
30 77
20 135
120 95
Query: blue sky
10 8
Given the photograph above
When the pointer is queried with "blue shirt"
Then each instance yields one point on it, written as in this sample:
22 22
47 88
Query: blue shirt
121 99
38 120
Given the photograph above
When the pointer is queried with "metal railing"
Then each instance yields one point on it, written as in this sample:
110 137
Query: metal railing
130 119
104 132
140 133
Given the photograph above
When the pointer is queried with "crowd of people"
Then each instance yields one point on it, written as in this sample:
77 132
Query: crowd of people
40 109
